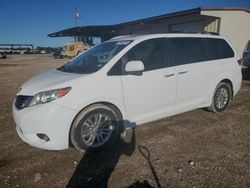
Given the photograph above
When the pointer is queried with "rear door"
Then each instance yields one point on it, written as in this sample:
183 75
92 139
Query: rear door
194 72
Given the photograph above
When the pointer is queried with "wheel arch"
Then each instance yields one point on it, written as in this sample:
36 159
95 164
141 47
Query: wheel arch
225 81
113 106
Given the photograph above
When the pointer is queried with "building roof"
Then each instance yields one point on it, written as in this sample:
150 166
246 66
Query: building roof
101 30
226 9
163 16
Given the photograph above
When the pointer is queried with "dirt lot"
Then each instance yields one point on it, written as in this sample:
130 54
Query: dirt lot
195 149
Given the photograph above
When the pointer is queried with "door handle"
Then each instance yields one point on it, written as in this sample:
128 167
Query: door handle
183 72
168 75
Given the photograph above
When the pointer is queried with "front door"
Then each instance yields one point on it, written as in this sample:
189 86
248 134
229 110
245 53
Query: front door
150 95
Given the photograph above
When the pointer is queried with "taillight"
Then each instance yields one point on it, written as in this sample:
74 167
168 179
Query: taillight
240 61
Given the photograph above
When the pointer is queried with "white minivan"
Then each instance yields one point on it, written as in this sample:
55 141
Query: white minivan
126 81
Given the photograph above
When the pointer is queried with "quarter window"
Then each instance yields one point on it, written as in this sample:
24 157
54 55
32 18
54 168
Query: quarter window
248 46
220 49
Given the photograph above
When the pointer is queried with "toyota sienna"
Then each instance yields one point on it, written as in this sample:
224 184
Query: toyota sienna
128 80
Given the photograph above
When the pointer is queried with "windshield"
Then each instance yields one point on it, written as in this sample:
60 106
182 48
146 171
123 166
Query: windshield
95 58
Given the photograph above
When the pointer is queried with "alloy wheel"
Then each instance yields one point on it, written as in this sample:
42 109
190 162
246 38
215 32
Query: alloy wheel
97 130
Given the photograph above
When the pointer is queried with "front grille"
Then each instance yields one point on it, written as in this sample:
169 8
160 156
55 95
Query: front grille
22 101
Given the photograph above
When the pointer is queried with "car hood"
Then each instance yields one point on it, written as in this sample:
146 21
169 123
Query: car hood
52 79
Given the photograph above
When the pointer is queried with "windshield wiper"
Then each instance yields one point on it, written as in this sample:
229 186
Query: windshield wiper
62 68
69 70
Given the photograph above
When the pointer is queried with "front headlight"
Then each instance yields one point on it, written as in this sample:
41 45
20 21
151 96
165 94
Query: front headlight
47 96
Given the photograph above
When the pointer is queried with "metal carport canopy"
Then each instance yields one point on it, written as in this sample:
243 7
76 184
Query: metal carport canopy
101 30
95 31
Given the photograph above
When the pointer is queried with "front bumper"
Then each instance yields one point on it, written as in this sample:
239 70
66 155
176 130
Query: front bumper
50 119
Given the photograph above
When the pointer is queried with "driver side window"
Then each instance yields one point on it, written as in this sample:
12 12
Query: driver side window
150 52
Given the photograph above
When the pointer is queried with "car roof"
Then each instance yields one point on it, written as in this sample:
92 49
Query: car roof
149 36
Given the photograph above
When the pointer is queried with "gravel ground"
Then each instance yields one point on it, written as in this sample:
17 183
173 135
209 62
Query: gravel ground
194 149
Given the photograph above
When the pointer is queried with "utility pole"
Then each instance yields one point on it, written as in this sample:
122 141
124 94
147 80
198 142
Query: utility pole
77 19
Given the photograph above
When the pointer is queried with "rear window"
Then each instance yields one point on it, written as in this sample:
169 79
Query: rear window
219 49
248 46
185 50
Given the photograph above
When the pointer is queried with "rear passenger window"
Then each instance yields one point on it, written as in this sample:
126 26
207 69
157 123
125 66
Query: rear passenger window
185 50
219 49
150 52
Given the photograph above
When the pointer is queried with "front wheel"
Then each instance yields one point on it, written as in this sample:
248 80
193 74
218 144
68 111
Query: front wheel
222 97
95 128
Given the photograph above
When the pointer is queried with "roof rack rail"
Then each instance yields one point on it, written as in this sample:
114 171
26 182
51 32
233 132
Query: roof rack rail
190 32
120 36
211 33
182 32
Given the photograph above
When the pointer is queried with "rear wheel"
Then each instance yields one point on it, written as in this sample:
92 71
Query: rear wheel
222 97
95 128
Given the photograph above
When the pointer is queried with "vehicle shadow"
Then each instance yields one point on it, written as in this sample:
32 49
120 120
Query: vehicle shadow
245 73
95 168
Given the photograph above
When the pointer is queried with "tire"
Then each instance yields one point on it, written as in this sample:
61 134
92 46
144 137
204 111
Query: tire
87 134
221 98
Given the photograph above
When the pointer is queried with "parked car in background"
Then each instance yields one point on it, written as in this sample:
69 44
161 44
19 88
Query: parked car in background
125 81
57 54
16 52
3 55
8 51
42 52
246 55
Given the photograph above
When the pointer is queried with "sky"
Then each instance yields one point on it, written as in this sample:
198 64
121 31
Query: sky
29 21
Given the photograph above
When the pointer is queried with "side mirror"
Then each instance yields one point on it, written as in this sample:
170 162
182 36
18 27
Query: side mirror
134 66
